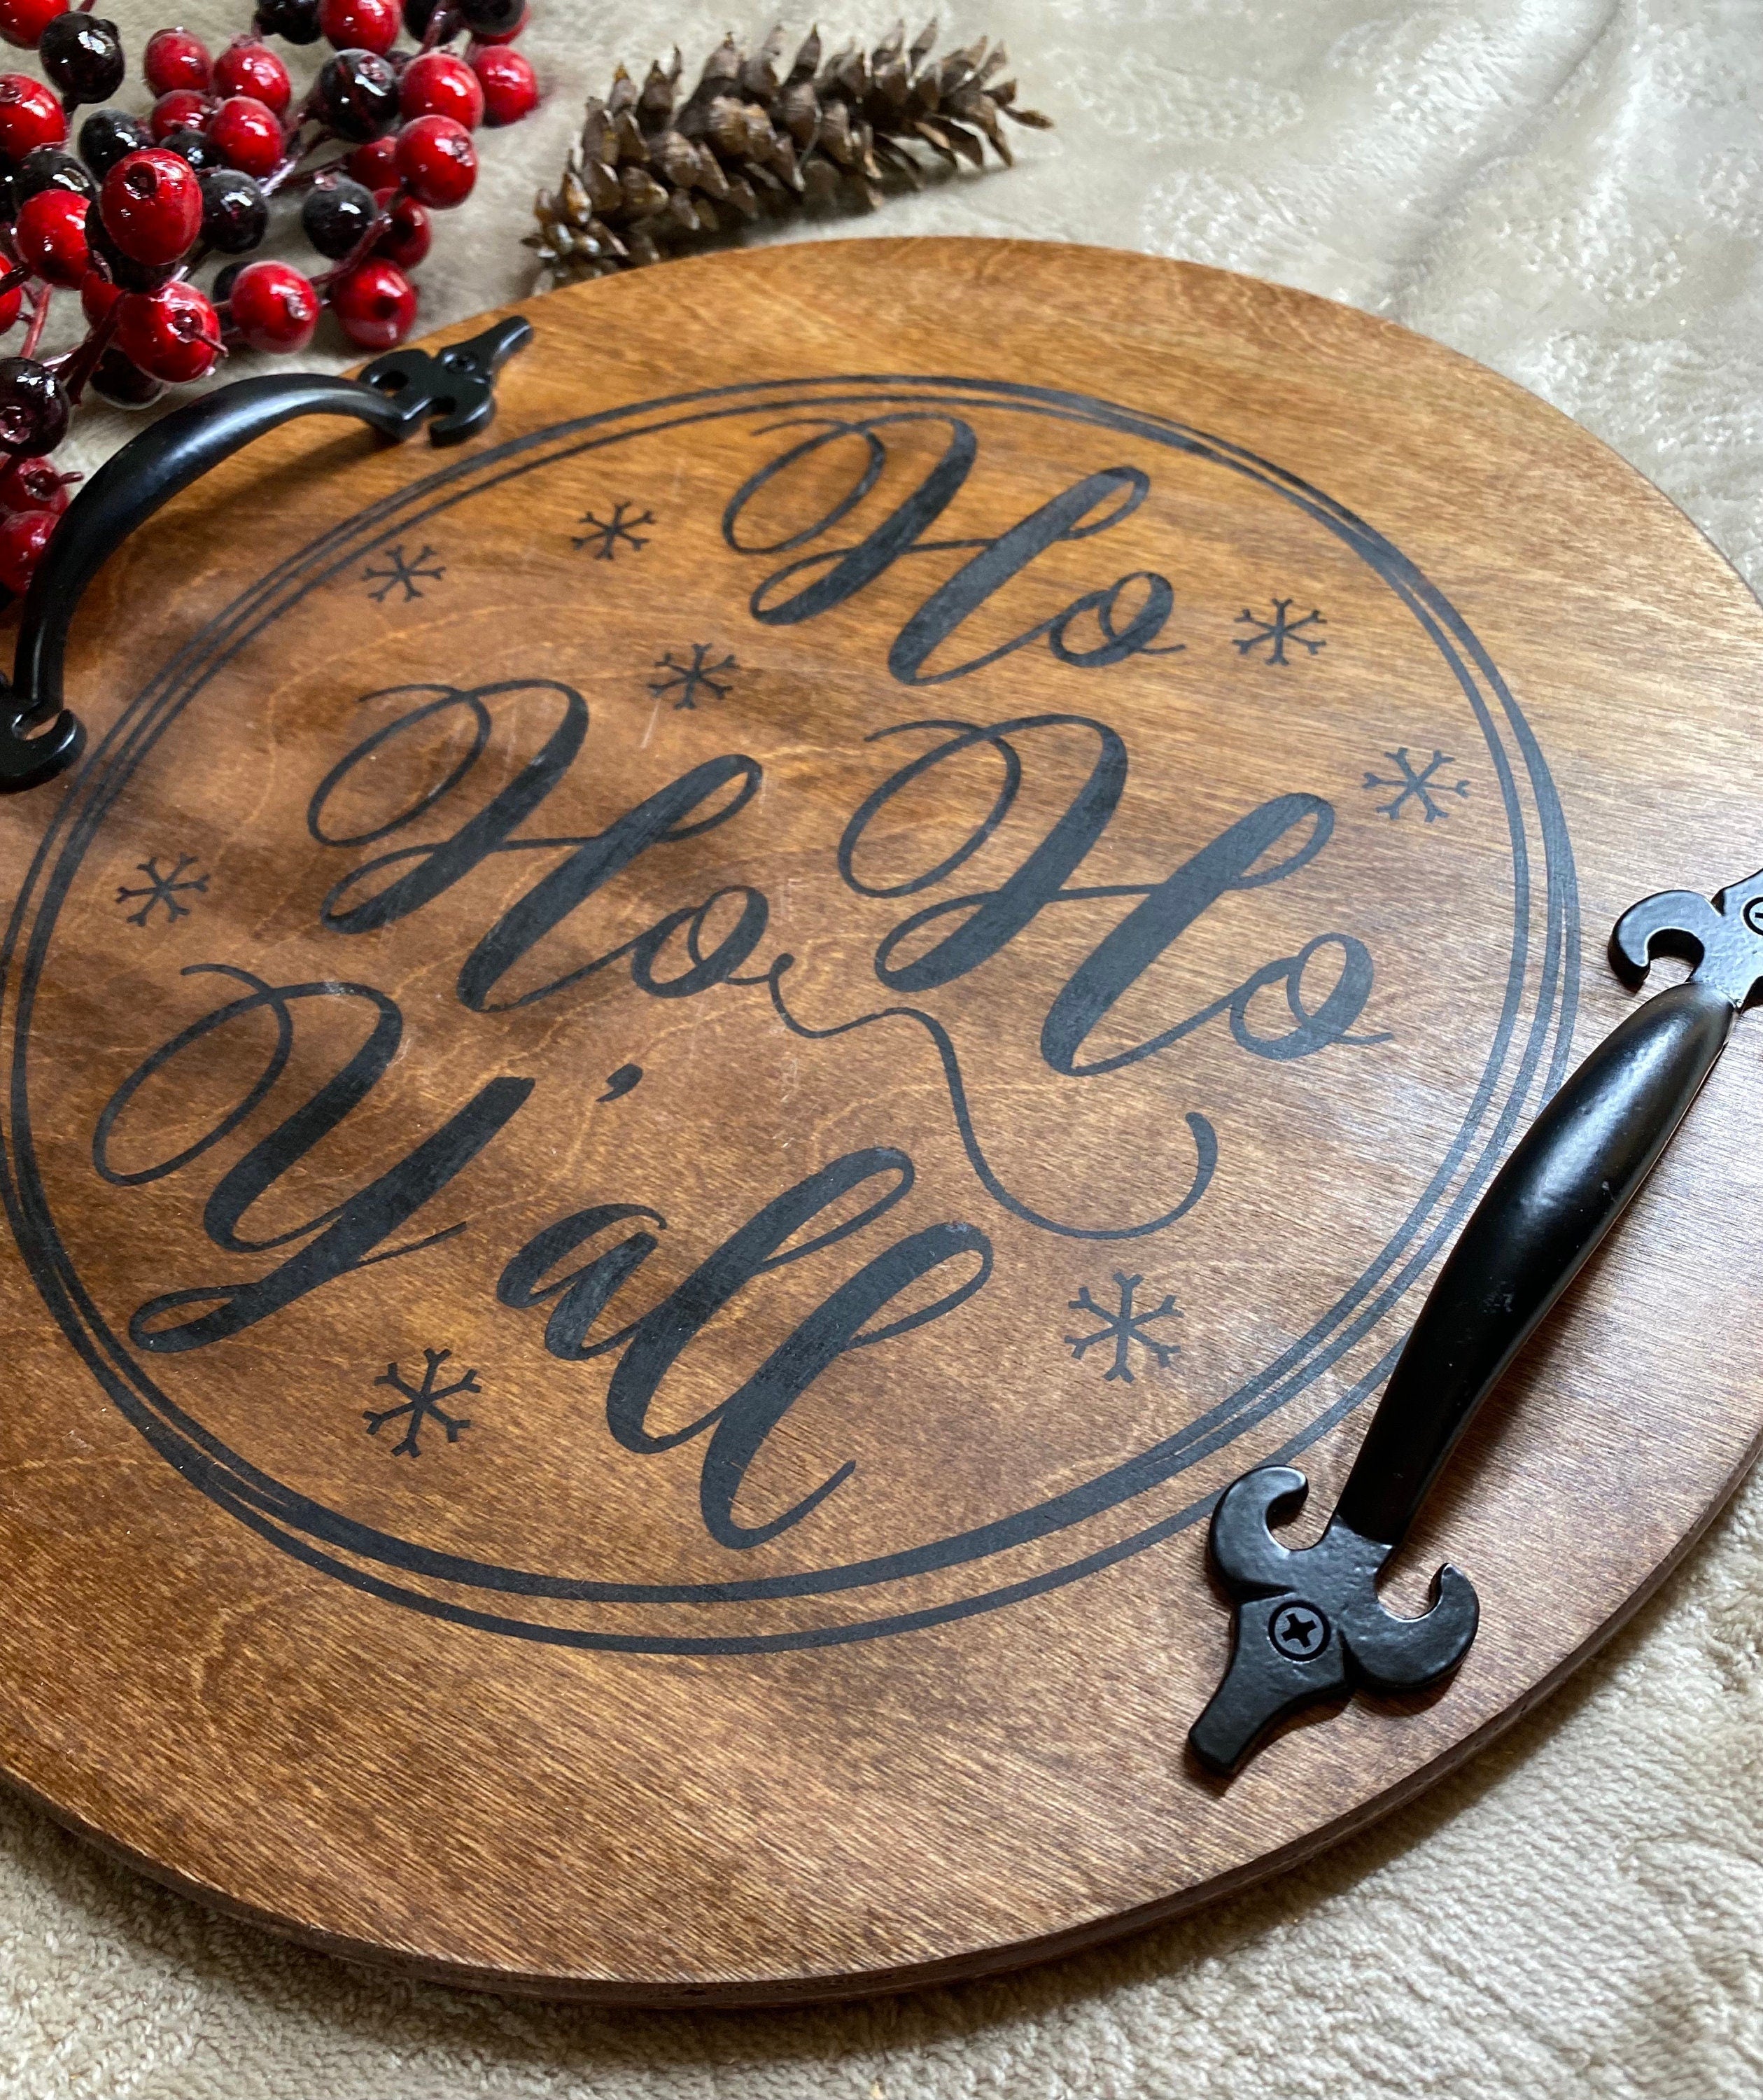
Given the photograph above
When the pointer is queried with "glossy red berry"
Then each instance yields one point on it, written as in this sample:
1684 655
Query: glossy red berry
11 303
29 115
152 206
172 334
247 135
35 485
407 232
375 305
98 295
183 106
250 67
359 25
50 233
175 59
510 87
436 162
374 166
23 537
22 22
437 84
273 308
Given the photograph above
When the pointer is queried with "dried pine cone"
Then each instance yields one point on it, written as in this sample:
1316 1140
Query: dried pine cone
648 177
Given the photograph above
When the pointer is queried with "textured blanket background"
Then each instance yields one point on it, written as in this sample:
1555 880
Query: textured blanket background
1571 191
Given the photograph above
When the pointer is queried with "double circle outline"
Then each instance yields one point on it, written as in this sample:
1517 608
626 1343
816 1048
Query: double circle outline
315 1534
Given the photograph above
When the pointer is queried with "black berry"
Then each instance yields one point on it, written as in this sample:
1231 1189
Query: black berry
490 18
418 14
48 168
196 147
235 212
106 134
33 409
82 57
221 291
356 96
122 383
297 20
336 216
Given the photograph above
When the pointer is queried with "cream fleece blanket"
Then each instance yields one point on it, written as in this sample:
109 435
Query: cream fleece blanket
1572 192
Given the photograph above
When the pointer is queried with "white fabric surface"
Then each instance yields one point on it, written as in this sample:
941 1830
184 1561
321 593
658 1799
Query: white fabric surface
1571 191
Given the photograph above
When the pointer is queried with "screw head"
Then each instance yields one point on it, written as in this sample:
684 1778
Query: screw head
1298 1630
1753 914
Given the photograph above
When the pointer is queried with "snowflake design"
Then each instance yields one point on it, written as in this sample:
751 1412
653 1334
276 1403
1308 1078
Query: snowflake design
421 1403
163 889
1412 786
685 679
1278 631
607 531
1123 1328
398 570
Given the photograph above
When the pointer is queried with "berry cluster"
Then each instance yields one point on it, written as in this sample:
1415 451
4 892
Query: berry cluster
130 212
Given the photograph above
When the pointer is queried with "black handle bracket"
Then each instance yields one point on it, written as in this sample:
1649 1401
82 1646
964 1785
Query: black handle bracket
452 391
1309 1626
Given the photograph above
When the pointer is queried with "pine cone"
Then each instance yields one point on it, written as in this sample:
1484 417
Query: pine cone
650 176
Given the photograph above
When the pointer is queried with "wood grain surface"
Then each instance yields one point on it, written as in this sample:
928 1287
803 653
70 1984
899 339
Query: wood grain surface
681 1086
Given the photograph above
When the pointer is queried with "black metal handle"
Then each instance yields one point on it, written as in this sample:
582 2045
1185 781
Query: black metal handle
1309 1625
1579 1164
453 392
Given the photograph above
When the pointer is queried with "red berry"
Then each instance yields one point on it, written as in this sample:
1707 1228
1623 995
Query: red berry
375 165
247 135
407 234
510 87
11 300
436 162
30 116
359 25
22 22
175 59
250 67
376 305
437 84
35 485
273 307
173 333
183 105
98 295
481 37
50 235
152 206
23 537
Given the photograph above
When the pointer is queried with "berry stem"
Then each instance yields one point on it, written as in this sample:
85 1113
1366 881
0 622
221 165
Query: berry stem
296 153
78 365
33 334
357 255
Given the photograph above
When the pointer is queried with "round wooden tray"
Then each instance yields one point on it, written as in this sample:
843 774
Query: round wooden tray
681 1085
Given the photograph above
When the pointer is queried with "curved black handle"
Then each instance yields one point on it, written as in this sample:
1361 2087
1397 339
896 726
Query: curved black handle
453 392
1309 1624
1579 1164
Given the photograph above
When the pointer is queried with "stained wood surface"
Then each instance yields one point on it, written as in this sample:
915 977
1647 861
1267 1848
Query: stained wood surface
594 922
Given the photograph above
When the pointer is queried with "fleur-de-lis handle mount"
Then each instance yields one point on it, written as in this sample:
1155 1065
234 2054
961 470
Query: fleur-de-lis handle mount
1309 1626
